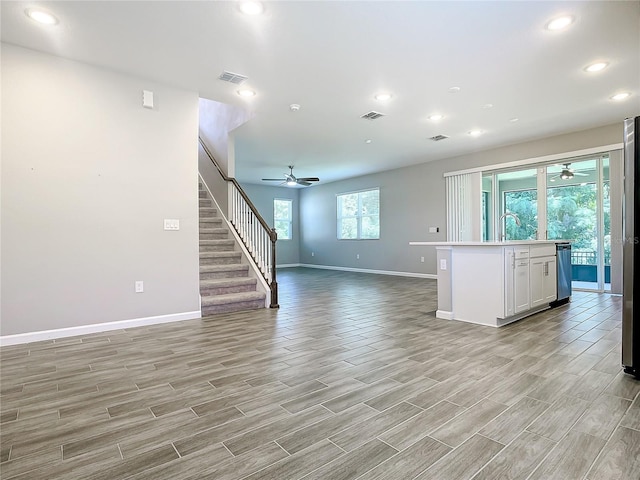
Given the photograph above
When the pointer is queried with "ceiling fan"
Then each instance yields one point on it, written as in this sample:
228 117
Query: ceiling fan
291 180
567 173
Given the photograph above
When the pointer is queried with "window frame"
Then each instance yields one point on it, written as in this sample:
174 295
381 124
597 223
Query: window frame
358 216
289 220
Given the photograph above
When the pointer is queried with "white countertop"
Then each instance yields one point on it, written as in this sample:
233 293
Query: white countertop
489 244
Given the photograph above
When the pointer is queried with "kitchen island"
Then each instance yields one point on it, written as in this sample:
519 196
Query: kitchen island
494 283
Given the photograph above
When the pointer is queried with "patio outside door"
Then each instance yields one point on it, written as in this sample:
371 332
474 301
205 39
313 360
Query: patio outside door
578 209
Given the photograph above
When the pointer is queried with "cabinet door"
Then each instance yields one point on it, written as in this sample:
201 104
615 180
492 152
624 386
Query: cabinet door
550 280
537 281
521 283
509 282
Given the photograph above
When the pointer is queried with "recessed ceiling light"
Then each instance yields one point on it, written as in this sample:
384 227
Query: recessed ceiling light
246 93
382 97
454 89
476 133
367 141
41 16
596 67
251 8
514 120
620 96
560 23
436 117
487 105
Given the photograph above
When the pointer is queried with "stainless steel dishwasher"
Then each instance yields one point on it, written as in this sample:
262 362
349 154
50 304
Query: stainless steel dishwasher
563 265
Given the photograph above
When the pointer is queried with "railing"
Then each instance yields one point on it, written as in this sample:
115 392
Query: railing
258 237
588 257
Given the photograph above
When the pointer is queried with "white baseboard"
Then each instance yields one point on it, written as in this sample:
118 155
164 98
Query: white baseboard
29 337
366 270
289 265
444 314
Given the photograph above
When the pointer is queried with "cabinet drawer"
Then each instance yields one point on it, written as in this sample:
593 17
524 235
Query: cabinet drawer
546 250
521 252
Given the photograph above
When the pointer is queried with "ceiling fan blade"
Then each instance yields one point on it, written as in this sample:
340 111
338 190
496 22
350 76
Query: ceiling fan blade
309 179
271 179
554 178
300 181
579 174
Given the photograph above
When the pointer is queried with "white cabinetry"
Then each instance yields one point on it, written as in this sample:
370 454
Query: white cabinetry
543 275
522 289
516 287
494 283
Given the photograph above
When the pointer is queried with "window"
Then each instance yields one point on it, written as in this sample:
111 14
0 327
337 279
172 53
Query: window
282 215
359 215
524 204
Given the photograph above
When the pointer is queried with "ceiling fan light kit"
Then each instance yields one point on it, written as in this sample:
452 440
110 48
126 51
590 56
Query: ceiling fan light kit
567 173
291 180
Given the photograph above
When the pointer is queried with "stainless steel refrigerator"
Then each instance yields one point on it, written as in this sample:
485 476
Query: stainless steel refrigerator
631 249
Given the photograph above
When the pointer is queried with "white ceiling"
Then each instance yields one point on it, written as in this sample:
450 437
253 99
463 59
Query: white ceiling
332 57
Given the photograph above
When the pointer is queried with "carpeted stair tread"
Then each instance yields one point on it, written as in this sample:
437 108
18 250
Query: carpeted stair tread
208 212
224 268
213 243
220 254
229 298
227 282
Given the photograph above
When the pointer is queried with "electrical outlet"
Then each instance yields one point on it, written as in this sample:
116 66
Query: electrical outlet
422 259
443 264
313 254
139 286
357 256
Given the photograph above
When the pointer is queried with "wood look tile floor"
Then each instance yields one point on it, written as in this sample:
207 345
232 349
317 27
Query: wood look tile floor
353 377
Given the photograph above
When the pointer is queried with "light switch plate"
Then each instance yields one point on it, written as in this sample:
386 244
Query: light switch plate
443 264
171 224
434 229
147 99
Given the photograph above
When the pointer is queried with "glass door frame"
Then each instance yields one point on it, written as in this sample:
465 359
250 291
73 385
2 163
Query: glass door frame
541 185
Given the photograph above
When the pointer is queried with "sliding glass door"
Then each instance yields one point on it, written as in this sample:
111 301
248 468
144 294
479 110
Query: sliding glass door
578 209
518 205
567 201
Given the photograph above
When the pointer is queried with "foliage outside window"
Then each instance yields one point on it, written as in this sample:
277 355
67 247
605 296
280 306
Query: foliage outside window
572 214
524 203
359 215
282 217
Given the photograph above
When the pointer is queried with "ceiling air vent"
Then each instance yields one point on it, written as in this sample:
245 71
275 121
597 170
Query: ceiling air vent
437 138
232 77
372 115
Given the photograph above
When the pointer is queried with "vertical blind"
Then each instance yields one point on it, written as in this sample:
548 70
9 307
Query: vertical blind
464 207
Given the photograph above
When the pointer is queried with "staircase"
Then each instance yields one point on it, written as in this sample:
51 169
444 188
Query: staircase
225 284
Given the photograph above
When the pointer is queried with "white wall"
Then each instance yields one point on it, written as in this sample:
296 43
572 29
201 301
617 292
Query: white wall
411 200
88 175
217 121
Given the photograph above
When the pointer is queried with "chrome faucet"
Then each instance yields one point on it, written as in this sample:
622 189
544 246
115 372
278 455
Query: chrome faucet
503 235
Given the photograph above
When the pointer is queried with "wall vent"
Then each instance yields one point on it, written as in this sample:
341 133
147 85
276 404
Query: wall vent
232 77
437 138
372 115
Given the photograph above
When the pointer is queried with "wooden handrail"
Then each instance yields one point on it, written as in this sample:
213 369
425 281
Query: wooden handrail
262 221
273 235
